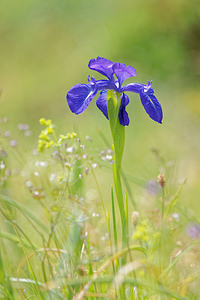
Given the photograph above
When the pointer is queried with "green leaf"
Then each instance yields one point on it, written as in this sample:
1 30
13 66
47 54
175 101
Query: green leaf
126 217
118 135
15 239
174 200
5 286
24 210
175 261
114 220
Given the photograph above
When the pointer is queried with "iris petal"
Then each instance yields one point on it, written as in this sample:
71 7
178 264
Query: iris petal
134 87
123 115
79 97
122 72
102 103
105 85
103 66
151 105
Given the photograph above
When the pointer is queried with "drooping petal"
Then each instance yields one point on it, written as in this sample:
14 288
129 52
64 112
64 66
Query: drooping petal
122 72
149 101
151 105
102 103
123 115
79 97
103 66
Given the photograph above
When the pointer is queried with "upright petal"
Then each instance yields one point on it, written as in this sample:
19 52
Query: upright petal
122 72
79 97
102 103
151 105
103 66
123 115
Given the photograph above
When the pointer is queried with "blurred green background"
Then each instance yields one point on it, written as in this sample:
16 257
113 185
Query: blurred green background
45 49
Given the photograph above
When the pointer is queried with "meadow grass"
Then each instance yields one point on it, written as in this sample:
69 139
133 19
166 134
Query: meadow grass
62 238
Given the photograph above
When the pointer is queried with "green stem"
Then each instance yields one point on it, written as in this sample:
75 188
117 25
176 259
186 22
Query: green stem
120 200
162 228
163 204
118 135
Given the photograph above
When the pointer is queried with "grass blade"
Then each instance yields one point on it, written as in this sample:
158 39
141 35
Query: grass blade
114 220
24 210
14 238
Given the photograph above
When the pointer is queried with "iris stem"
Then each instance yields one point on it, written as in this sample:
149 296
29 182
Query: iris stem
118 135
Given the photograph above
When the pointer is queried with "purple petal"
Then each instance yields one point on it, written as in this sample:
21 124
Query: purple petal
102 103
123 115
103 66
151 105
149 101
193 230
79 97
122 72
105 85
137 87
134 87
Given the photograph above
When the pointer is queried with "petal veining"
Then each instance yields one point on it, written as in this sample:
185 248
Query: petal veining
79 97
151 106
103 66
105 85
102 103
123 115
134 87
123 72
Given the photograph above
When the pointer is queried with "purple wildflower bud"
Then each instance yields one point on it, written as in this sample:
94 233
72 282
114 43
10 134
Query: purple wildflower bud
193 230
152 187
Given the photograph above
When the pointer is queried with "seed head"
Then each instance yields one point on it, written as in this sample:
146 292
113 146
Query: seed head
135 217
161 180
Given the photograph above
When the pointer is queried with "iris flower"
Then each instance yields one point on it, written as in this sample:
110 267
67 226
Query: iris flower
80 96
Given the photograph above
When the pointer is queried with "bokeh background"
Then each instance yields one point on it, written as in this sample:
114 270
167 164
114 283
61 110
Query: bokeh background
45 49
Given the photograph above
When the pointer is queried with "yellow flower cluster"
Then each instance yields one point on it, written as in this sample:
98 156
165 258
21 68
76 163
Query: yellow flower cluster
146 234
45 139
142 232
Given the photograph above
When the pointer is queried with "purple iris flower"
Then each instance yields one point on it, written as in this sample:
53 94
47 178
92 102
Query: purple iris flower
80 96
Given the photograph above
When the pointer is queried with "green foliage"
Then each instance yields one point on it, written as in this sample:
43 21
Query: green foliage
118 135
69 248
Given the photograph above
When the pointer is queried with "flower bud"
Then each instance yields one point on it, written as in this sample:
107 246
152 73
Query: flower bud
161 180
135 217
